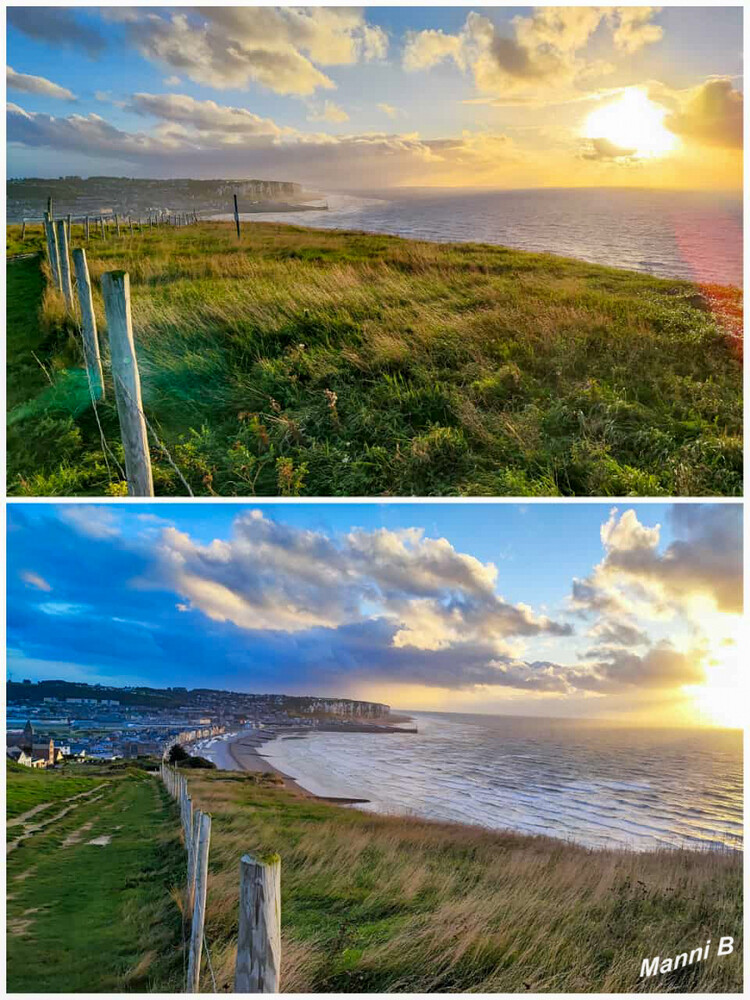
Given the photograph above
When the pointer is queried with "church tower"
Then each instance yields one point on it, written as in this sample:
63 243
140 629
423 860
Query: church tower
28 734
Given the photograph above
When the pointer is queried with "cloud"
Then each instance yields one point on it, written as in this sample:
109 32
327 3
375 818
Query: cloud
171 81
390 110
329 112
661 667
36 85
34 580
203 116
56 25
704 561
611 632
90 521
271 605
272 577
544 50
276 47
633 28
709 115
225 141
603 149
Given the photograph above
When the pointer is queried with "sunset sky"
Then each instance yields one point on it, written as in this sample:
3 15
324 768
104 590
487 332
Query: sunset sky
369 98
626 613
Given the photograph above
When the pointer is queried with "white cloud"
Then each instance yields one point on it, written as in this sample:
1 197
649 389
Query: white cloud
90 521
279 48
390 110
329 112
34 580
203 116
36 85
541 52
633 28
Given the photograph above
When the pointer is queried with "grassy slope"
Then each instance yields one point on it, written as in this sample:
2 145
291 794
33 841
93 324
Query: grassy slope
323 363
87 918
387 904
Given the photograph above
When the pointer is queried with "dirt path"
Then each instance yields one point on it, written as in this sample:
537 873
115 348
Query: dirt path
30 830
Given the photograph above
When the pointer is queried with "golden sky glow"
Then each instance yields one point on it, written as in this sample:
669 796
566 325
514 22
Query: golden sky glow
382 97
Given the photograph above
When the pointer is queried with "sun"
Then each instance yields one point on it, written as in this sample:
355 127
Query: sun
633 124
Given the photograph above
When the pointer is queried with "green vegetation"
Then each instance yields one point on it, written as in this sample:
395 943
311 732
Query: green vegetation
385 904
93 882
369 903
302 362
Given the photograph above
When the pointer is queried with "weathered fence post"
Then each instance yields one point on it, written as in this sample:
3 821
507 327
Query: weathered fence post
199 908
64 261
88 323
259 936
117 223
23 230
116 291
87 228
69 225
101 223
49 206
237 216
52 250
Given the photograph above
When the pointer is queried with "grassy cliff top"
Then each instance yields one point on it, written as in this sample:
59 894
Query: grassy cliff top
393 904
318 363
369 903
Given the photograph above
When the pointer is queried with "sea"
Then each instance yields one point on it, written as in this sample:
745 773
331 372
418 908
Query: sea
591 783
670 234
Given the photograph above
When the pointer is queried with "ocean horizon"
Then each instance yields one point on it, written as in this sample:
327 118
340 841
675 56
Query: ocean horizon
693 235
596 785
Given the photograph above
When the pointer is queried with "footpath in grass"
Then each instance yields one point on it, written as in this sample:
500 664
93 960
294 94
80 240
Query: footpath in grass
310 363
387 904
89 884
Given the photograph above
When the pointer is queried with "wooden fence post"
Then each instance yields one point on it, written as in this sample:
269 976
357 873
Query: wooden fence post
88 322
52 250
199 908
87 228
259 936
101 223
69 225
23 230
237 216
116 291
117 223
64 260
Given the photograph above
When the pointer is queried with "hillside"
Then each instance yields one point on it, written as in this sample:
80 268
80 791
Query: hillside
369 903
310 363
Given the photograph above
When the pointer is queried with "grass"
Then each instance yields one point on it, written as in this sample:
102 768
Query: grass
386 904
369 903
303 362
85 917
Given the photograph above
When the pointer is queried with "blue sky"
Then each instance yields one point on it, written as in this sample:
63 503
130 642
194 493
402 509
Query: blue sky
478 609
455 95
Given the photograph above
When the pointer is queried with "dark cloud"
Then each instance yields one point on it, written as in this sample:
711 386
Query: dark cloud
604 149
56 25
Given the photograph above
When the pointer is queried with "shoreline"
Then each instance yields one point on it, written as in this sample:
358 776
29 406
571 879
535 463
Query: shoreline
243 751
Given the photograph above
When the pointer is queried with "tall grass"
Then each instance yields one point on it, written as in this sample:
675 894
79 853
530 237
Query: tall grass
455 369
391 904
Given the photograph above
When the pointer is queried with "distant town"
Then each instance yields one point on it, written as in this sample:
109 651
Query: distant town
27 197
50 722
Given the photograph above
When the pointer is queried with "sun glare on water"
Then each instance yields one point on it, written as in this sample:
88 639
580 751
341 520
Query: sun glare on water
634 124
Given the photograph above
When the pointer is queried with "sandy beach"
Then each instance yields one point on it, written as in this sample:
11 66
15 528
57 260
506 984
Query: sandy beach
240 752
